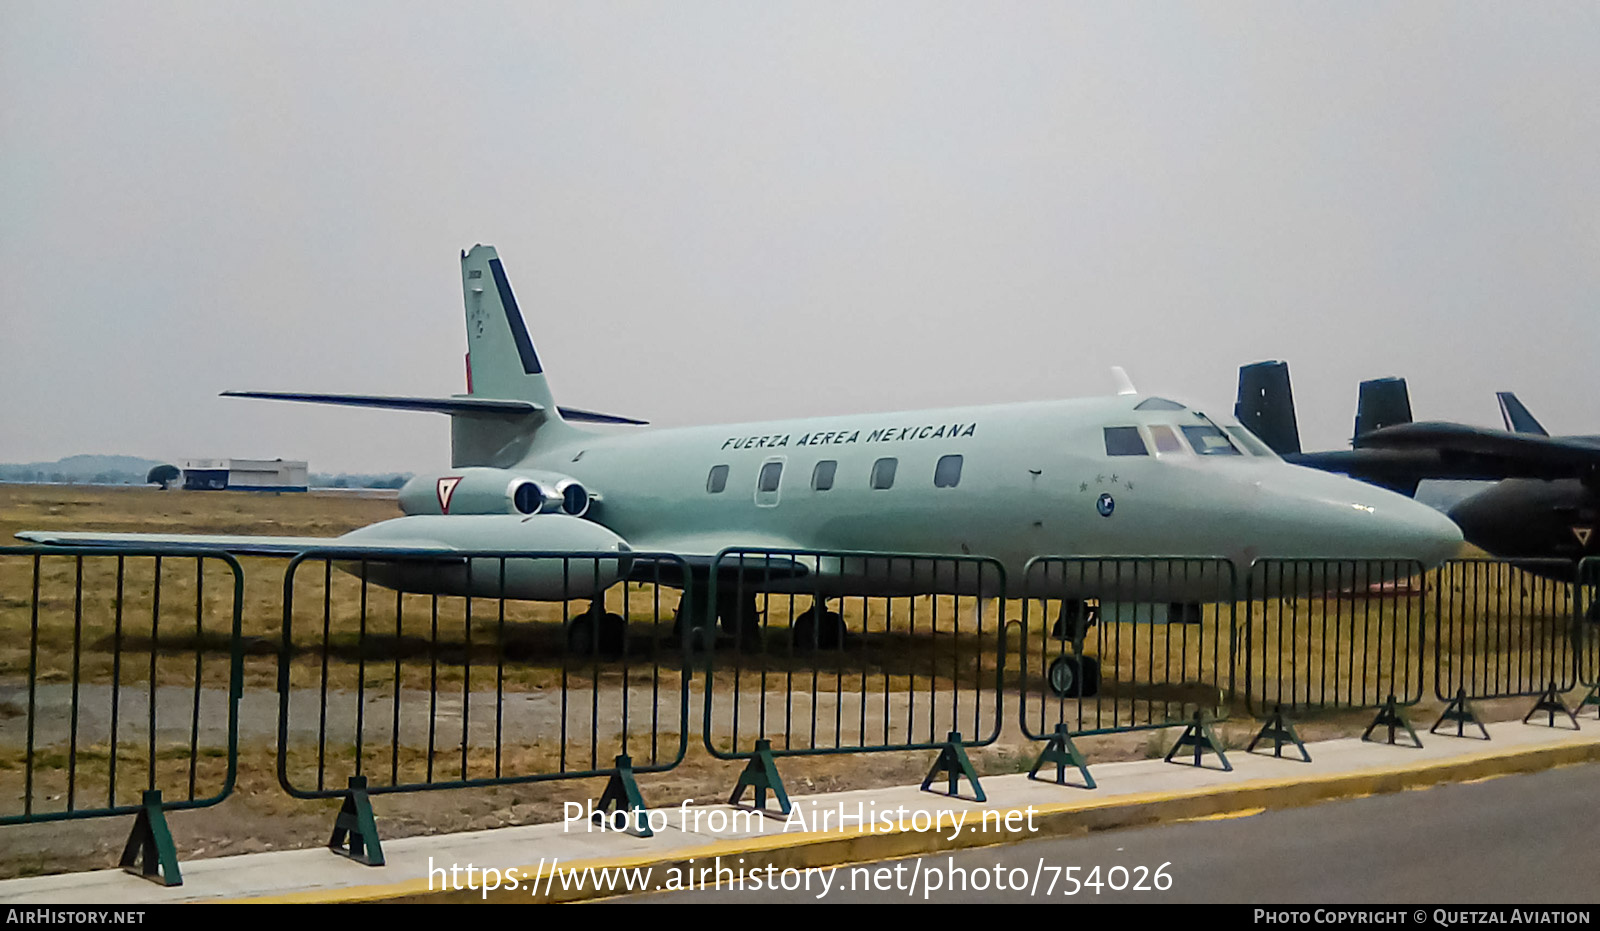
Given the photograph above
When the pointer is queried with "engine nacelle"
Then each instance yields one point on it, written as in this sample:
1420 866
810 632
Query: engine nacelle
495 491
605 562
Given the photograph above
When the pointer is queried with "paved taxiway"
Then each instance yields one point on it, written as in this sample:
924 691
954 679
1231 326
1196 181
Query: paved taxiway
1515 839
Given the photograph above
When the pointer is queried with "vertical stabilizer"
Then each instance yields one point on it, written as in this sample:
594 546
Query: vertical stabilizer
502 363
500 354
1265 406
1517 418
1382 402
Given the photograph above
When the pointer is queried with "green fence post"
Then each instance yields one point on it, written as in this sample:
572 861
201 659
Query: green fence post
1550 702
1392 717
953 763
149 852
356 823
1460 711
622 793
761 774
1203 739
1280 730
1062 752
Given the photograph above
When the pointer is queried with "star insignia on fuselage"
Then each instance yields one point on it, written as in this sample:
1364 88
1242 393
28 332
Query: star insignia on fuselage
1083 486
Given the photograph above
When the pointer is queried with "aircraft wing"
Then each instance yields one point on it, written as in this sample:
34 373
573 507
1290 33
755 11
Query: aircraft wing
239 545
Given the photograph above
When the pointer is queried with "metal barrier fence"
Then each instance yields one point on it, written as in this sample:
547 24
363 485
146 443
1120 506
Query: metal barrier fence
1587 636
1505 628
121 670
1124 644
433 670
1334 634
918 668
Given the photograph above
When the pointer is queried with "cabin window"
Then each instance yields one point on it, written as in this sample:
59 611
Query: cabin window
771 474
1125 441
947 474
1209 441
1251 443
822 475
883 473
1166 440
717 480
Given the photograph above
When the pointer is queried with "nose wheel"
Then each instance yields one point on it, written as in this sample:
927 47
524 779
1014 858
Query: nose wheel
1074 676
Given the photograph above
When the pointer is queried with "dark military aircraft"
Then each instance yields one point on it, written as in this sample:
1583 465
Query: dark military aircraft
1545 500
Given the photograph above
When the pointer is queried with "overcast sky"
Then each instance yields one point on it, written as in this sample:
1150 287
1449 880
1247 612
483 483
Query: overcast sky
716 212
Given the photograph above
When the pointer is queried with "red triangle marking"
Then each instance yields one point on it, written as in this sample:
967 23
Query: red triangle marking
447 487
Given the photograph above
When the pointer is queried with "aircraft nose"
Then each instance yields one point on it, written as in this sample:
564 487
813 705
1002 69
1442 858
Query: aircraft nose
1345 519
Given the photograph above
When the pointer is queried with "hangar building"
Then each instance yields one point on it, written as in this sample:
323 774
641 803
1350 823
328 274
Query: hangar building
244 475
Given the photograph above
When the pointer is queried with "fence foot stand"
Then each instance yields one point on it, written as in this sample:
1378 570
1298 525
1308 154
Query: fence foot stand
1062 752
1392 717
1460 711
1591 700
1202 738
1280 730
1550 702
355 831
761 775
149 852
953 763
622 794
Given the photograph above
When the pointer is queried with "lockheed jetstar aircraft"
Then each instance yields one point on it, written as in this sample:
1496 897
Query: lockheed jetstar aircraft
1545 498
1126 474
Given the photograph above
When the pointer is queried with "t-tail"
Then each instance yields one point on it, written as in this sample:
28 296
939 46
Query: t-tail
1265 406
508 410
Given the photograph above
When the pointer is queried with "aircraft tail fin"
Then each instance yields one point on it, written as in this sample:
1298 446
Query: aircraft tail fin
1265 406
1517 418
502 364
1382 402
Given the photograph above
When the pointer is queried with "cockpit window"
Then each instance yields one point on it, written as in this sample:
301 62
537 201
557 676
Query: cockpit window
1250 442
1166 440
1158 404
1207 440
1125 441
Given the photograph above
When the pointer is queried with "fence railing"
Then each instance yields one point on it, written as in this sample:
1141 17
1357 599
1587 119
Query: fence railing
1505 628
1122 644
1334 634
432 670
123 674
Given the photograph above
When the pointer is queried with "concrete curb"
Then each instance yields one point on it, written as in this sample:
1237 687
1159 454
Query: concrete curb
1079 815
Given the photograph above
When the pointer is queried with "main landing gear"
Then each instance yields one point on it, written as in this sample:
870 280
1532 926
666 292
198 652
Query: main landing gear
1073 675
596 631
817 628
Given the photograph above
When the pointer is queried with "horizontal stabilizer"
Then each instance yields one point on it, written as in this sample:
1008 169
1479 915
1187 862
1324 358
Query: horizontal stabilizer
456 405
436 405
238 545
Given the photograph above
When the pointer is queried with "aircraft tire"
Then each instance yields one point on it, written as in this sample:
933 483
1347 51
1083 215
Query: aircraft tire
811 634
588 634
741 622
702 639
1074 677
